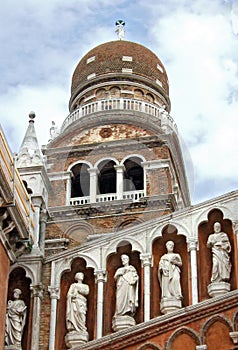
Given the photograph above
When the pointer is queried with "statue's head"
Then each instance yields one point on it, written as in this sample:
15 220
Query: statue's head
79 276
170 246
217 227
17 292
124 258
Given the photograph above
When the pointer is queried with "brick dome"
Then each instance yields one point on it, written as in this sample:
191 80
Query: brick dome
121 60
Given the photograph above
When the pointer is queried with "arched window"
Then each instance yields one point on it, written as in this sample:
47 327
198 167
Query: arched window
80 181
107 177
133 175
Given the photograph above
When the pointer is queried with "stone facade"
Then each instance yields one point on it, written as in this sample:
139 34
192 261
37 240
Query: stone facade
112 182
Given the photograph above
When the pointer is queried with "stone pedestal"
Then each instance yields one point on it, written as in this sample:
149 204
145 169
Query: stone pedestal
122 322
73 339
12 347
168 305
218 288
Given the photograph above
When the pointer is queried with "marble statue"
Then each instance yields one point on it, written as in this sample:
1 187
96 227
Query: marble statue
15 320
126 288
169 273
220 246
77 305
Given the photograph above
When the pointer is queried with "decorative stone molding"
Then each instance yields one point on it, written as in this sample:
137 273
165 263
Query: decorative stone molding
218 288
192 244
146 259
100 276
54 292
234 337
37 291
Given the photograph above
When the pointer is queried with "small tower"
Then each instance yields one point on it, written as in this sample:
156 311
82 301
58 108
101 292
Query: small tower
31 166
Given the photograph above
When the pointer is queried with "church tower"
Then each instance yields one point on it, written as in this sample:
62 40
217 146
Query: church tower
116 160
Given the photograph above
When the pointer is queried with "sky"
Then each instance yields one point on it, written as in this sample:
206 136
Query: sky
197 41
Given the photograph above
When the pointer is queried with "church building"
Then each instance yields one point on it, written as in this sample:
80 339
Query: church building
100 245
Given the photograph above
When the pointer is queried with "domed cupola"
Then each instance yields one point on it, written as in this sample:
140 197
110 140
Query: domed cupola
119 64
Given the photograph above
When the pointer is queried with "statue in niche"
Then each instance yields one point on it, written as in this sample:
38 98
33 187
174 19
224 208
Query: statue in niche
169 273
220 245
15 320
126 288
77 305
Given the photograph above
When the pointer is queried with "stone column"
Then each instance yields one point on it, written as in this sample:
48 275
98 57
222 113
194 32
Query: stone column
37 202
146 261
37 295
100 279
43 220
192 248
93 172
120 172
54 296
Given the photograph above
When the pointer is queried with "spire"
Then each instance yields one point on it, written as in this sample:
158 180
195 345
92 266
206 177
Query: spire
30 153
120 24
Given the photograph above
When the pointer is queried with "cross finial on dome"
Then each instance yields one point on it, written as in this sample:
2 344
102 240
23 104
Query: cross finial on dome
120 29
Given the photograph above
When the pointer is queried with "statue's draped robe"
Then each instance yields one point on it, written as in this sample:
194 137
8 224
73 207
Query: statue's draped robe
127 291
169 275
221 266
77 307
15 322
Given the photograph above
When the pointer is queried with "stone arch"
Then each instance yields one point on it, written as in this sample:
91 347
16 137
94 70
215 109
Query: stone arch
235 321
129 222
138 94
149 97
169 232
20 279
80 179
205 228
133 177
149 346
100 93
217 327
135 245
77 162
65 265
77 264
183 338
113 263
227 213
30 272
115 92
106 159
133 155
80 231
181 230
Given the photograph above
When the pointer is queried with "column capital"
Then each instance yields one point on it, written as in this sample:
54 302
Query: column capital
93 171
146 259
37 291
235 227
100 276
54 292
119 167
36 201
192 244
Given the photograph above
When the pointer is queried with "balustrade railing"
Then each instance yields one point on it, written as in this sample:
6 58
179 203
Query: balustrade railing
101 198
164 119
